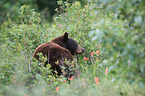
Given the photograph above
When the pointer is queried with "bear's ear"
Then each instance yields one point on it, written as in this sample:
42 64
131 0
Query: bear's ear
65 36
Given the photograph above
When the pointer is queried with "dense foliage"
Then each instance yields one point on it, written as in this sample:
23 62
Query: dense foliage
111 31
128 36
45 7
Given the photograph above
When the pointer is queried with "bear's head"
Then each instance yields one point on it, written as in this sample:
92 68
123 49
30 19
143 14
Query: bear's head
68 43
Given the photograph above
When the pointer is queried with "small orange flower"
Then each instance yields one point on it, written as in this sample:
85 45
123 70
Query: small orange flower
28 95
84 83
43 90
13 79
82 79
114 43
57 89
78 75
65 81
96 79
106 71
98 52
86 58
92 53
25 94
70 78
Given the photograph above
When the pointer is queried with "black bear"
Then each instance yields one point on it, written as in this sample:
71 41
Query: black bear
58 50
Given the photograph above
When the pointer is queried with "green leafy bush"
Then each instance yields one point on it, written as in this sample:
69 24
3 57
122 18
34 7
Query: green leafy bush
111 65
123 32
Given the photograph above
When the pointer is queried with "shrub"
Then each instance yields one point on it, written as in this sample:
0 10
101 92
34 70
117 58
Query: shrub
109 62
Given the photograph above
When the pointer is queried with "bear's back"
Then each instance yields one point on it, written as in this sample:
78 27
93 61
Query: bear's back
53 52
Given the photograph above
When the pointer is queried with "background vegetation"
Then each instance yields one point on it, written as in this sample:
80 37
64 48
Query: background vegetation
111 31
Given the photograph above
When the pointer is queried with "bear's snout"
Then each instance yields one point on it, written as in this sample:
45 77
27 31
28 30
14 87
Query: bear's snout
83 50
80 50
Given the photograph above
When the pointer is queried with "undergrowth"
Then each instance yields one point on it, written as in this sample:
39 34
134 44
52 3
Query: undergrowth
101 67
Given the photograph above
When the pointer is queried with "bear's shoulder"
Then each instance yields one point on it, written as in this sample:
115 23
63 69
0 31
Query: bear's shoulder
51 49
